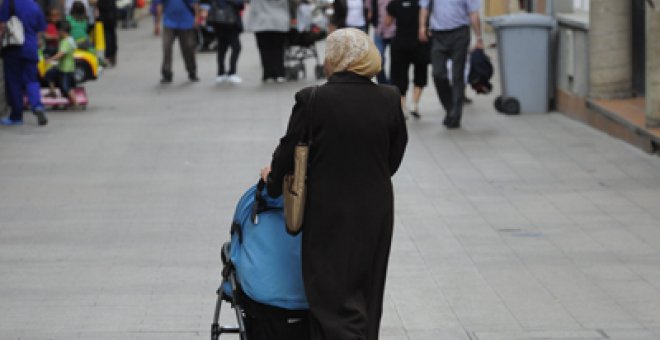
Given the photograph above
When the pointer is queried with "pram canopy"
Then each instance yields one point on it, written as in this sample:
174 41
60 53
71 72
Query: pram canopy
266 257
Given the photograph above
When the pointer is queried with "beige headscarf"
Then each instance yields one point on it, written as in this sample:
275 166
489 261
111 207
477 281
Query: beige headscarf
349 49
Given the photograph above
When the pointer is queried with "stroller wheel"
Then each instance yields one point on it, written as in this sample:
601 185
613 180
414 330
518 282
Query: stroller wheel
319 72
302 71
291 73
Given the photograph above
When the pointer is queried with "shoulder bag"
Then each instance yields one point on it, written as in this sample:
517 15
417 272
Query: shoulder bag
222 15
295 183
14 34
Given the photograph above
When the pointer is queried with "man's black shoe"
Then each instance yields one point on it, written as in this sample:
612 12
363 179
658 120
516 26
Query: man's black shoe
452 123
165 80
193 78
41 118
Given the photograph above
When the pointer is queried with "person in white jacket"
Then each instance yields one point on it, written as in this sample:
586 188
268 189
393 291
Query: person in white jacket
270 22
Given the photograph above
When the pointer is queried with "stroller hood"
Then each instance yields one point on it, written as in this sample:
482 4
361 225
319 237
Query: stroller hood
266 257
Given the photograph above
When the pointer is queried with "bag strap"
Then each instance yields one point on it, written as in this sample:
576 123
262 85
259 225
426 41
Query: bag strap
309 111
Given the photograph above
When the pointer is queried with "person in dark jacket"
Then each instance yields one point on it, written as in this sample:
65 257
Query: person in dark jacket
20 62
108 16
359 138
228 37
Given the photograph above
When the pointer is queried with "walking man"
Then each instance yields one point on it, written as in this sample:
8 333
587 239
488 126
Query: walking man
179 21
20 61
449 28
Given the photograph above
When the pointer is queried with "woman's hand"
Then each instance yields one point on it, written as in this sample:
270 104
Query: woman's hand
264 173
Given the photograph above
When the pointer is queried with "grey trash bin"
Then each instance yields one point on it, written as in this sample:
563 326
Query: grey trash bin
524 47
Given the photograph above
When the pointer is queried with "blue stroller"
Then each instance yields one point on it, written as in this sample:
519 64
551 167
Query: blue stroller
262 274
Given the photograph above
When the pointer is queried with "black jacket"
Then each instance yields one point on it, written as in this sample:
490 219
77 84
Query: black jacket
359 137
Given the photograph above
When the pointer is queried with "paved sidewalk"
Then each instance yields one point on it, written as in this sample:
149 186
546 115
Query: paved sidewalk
111 219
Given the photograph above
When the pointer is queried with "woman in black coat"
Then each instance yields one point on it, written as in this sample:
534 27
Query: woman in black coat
359 137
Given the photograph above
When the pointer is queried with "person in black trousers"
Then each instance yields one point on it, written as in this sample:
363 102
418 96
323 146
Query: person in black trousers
108 14
407 50
270 22
228 37
271 49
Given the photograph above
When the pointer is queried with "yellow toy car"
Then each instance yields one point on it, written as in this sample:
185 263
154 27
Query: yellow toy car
87 66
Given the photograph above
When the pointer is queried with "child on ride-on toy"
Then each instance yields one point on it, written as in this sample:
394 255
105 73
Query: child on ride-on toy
62 75
80 26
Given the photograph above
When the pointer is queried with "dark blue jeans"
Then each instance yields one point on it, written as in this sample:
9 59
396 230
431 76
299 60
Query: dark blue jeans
21 79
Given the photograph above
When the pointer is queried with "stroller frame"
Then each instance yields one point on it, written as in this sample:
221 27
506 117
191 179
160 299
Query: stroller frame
296 53
243 305
228 275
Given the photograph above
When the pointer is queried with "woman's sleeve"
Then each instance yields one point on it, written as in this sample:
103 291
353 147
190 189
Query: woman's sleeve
282 162
398 137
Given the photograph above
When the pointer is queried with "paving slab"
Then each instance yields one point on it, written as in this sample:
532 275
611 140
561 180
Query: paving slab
111 219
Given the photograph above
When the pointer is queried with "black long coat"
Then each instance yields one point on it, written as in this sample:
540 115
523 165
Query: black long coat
359 137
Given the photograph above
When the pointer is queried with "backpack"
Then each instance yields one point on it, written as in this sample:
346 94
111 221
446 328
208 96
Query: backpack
14 31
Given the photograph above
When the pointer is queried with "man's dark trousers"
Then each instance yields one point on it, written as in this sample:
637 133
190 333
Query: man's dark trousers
450 45
186 42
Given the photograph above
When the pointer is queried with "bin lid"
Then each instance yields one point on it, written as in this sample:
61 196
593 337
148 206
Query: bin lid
522 20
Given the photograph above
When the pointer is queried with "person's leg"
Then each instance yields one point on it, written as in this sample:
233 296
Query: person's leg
187 44
33 90
399 71
52 79
168 41
223 45
67 88
235 43
381 44
110 33
262 46
420 73
276 52
13 85
439 58
460 44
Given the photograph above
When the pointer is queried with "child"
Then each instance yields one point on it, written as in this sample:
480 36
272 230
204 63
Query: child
51 36
62 74
80 27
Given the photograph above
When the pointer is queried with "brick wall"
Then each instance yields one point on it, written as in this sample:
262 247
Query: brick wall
610 46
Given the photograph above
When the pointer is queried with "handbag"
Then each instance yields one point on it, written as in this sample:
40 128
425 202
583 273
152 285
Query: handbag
295 183
14 32
221 15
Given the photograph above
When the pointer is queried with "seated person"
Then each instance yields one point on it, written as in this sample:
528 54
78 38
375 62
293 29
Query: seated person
62 74
51 36
88 9
80 26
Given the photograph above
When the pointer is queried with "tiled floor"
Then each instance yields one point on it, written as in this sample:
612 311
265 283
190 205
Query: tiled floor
111 219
